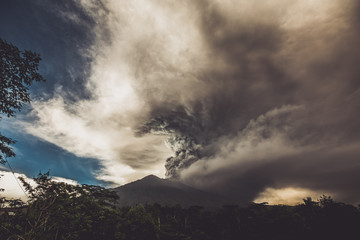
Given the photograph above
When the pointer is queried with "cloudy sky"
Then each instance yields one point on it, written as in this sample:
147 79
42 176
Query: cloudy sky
255 99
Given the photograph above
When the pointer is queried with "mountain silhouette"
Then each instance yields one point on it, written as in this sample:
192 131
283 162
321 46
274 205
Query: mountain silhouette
166 192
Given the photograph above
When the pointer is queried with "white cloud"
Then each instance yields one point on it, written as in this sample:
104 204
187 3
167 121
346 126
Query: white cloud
149 45
64 180
15 190
11 185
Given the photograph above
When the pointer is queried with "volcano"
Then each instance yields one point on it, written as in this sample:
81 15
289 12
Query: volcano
166 192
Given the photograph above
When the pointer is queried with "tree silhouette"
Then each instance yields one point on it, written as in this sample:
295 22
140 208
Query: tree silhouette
18 70
56 210
62 211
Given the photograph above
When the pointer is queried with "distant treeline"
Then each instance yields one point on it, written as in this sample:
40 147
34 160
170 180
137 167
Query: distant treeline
61 211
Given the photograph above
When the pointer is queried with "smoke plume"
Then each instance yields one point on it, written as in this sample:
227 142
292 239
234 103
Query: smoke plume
247 95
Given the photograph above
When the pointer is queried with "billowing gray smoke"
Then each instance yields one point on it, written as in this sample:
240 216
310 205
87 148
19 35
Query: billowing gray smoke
186 138
250 95
250 83
295 88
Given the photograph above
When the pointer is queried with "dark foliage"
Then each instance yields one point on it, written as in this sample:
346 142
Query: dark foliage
18 70
62 211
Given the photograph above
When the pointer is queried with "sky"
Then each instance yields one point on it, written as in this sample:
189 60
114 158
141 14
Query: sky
257 100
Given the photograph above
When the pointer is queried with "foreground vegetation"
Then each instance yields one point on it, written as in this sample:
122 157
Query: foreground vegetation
62 211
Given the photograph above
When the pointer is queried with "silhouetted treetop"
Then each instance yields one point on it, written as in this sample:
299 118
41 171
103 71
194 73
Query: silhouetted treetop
18 70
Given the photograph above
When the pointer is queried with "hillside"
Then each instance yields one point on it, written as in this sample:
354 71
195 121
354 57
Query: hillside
166 192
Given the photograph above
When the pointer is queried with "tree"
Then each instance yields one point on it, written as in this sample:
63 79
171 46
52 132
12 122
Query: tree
139 224
18 70
56 210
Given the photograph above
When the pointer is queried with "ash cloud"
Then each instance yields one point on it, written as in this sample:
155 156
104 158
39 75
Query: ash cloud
258 66
247 95
241 69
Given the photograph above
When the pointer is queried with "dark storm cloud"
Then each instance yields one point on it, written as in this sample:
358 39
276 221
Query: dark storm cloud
258 66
